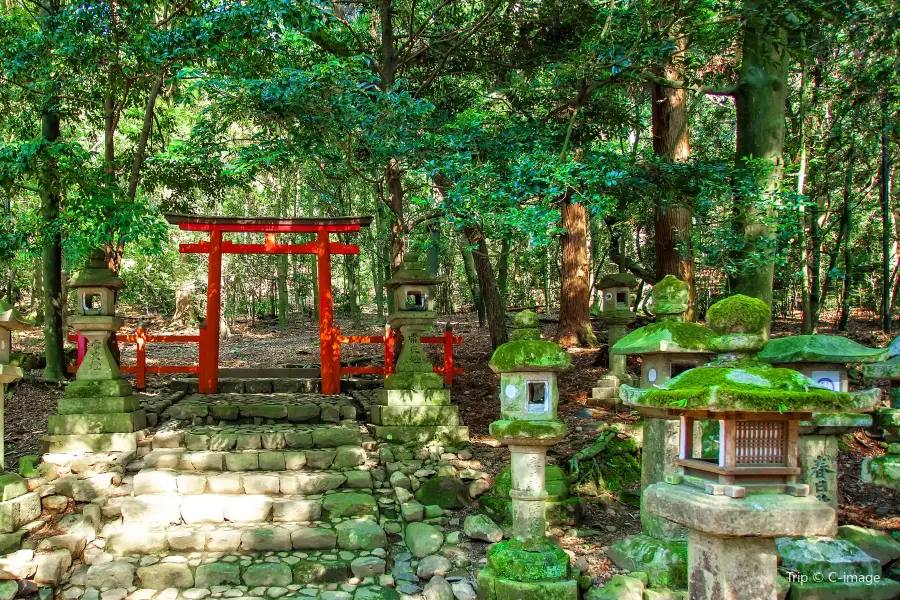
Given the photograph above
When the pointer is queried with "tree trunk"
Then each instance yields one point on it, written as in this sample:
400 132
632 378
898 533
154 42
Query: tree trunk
503 269
760 106
281 261
493 305
846 231
885 192
472 278
51 254
673 218
575 296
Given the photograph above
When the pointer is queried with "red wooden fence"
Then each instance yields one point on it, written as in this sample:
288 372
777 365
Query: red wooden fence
141 338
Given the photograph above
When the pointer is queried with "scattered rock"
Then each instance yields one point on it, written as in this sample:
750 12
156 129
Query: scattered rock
438 589
481 527
423 539
432 565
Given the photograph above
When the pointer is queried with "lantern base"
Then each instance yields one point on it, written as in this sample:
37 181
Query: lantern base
535 570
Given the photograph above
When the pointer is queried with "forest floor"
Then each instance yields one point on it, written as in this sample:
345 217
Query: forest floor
475 391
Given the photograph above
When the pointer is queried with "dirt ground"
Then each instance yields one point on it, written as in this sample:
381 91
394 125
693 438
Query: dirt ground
475 391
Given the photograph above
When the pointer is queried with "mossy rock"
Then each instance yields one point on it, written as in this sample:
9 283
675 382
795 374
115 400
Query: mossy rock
513 560
666 336
526 319
530 355
738 314
444 491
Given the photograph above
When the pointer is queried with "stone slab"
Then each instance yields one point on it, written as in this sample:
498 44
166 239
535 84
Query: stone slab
421 435
77 424
101 405
82 388
439 397
416 416
19 511
92 442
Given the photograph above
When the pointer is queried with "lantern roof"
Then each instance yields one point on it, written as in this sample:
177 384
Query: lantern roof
819 349
412 272
11 319
623 279
96 273
666 336
887 369
527 351
670 298
747 386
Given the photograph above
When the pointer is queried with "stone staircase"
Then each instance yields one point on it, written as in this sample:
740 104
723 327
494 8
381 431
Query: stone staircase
242 491
606 393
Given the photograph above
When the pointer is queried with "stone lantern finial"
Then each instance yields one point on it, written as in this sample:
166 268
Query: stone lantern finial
670 299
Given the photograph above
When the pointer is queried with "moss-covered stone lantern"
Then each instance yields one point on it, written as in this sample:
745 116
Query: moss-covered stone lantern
667 347
10 320
414 406
824 359
736 504
885 470
616 298
99 412
528 565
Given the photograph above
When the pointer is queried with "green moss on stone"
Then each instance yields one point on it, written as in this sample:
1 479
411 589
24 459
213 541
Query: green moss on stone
738 314
510 559
666 336
745 387
818 348
530 355
519 428
670 297
526 319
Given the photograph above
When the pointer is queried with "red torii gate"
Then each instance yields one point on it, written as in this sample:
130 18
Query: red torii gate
322 247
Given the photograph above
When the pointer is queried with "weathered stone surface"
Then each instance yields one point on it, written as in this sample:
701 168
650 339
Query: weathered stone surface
268 574
349 504
480 527
217 573
313 538
762 515
293 509
17 512
438 589
159 481
664 562
875 543
349 456
367 566
833 559
310 483
620 587
423 539
884 589
360 534
52 566
266 538
432 565
162 576
332 437
110 575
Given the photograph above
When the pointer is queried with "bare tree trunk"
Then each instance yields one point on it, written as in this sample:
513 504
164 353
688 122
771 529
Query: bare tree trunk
493 305
575 297
472 278
846 231
884 190
503 269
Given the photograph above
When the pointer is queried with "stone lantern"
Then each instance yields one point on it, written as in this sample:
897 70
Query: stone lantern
736 504
824 359
667 347
10 321
98 412
528 565
885 470
414 406
616 298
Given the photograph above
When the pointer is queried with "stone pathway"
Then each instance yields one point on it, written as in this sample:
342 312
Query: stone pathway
276 495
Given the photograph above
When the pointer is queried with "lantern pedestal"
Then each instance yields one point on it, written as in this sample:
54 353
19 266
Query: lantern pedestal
731 541
817 451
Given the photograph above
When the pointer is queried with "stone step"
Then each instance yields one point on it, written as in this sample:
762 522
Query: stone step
293 408
608 382
194 483
255 570
342 457
415 415
163 509
605 393
447 434
349 534
277 436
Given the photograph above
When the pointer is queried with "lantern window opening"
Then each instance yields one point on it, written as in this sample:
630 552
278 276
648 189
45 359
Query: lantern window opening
92 303
621 297
538 396
415 300
678 368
